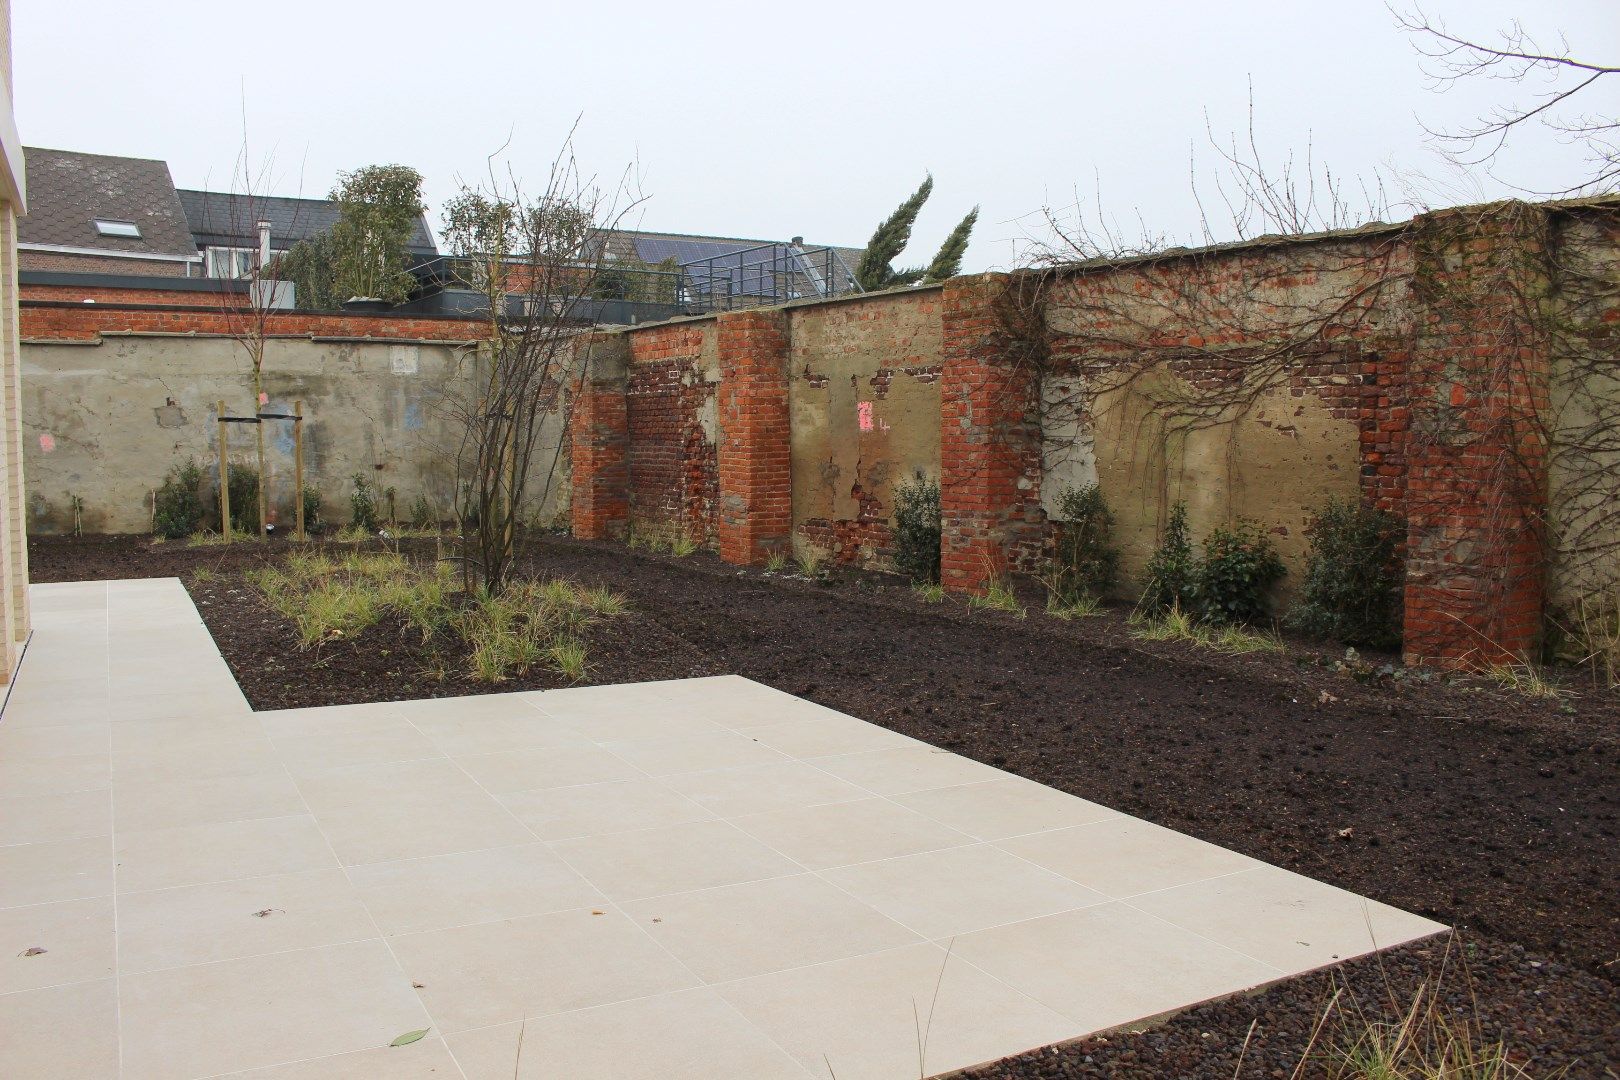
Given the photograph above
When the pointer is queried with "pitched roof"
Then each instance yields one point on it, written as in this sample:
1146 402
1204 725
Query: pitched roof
232 220
68 191
745 261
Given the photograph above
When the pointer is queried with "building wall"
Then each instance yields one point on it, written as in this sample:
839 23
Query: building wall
864 398
14 618
106 420
670 410
66 262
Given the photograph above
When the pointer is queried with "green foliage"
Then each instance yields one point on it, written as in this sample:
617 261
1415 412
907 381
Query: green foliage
363 504
243 483
812 559
422 514
948 262
876 269
998 596
1172 572
312 509
365 252
929 592
889 240
1239 569
1352 590
639 281
178 509
917 529
1084 562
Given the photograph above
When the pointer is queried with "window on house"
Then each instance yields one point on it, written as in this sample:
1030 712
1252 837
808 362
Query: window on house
109 227
230 262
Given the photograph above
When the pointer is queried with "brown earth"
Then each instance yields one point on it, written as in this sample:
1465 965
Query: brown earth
1486 810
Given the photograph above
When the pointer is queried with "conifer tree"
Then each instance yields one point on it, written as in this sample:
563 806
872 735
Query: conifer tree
890 239
948 262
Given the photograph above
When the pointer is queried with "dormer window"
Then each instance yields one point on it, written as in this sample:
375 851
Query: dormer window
126 229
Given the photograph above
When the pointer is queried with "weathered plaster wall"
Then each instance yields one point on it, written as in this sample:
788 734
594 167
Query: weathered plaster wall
105 420
864 396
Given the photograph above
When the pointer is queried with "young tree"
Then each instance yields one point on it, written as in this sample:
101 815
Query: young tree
534 258
366 253
876 269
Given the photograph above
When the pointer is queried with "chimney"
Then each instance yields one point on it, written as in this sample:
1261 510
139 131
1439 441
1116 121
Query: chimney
798 241
264 243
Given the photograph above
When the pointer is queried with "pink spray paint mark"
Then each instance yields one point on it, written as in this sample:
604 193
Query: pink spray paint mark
47 443
864 411
264 399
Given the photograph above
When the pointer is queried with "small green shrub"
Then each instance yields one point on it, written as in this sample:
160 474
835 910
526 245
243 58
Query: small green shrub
363 504
312 509
916 529
243 483
1084 563
178 509
1239 569
1352 590
423 515
1172 572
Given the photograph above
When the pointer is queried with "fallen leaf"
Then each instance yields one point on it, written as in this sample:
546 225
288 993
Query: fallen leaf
416 986
1327 698
409 1037
266 912
1347 832
598 913
35 951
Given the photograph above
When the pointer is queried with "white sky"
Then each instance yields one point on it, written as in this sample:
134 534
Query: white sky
772 120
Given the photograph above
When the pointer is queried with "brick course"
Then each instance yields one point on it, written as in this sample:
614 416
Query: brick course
756 499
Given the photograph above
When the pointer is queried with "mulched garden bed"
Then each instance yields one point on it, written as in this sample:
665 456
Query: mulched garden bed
1495 813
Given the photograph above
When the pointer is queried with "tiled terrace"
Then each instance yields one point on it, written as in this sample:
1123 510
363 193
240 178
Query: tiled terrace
699 879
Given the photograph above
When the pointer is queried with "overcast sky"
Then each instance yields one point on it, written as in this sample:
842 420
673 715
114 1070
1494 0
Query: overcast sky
775 120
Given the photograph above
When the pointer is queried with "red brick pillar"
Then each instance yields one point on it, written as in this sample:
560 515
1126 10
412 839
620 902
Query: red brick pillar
599 439
756 498
1477 450
990 444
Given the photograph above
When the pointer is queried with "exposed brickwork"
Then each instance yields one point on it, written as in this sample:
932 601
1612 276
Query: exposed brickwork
101 294
1477 480
756 502
990 442
60 321
599 440
674 469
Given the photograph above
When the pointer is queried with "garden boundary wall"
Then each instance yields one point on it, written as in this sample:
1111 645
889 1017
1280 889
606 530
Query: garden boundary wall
1410 367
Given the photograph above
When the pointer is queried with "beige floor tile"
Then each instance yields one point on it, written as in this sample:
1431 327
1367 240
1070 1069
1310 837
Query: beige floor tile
197 701
959 890
564 766
609 717
426 1059
595 809
51 710
479 886
861 1016
264 1010
1118 964
219 851
325 720
76 936
1002 808
139 805
691 753
57 741
742 930
381 742
528 729
1123 856
827 736
329 789
758 789
687 1035
906 769
210 729
433 711
33 819
54 775
200 924
411 826
1290 922
56 870
206 759
675 858
63 1033
495 973
851 832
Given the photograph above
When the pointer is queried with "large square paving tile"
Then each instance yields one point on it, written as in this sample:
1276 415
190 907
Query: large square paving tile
684 879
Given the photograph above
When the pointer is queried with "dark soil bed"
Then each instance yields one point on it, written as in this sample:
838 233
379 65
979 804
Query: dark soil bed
1492 812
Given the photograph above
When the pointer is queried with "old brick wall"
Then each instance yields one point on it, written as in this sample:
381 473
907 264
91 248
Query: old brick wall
864 396
673 477
63 262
